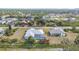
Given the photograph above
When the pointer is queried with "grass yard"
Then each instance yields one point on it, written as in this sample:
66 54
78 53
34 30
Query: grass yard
17 35
3 25
71 23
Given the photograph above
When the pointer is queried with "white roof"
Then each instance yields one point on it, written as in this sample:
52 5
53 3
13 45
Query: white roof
66 19
41 31
1 30
36 31
28 34
57 30
32 32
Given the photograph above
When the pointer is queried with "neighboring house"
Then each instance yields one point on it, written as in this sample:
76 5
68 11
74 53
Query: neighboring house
46 17
1 32
10 19
56 32
29 18
21 18
13 19
35 33
2 22
23 25
12 24
70 19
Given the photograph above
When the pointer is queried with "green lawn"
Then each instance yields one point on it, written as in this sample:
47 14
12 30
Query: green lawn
70 23
3 25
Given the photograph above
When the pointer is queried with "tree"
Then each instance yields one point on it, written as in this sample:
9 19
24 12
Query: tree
77 40
37 20
30 23
73 28
30 40
60 23
28 43
10 28
8 32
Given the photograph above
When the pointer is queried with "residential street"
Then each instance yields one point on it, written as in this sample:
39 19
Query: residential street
67 27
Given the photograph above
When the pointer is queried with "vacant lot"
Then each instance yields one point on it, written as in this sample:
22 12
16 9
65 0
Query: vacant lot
17 35
71 36
57 40
54 40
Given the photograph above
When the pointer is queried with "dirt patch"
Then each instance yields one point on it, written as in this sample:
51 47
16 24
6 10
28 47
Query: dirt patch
17 35
54 40
57 40
71 36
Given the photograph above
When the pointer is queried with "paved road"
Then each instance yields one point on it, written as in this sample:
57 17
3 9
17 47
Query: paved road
43 27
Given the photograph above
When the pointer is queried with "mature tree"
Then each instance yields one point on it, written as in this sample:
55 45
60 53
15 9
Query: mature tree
36 20
73 28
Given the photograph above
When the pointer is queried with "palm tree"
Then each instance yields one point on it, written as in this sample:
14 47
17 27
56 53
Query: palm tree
10 28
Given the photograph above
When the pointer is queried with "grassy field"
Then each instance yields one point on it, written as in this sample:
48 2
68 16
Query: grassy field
3 25
18 34
71 23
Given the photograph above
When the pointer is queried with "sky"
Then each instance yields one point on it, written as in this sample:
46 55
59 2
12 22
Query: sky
39 4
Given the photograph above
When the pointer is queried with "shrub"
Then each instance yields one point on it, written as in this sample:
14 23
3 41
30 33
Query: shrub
9 43
28 43
66 30
75 31
77 40
9 32
41 45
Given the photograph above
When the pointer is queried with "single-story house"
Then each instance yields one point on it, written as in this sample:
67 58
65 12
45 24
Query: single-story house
10 19
2 22
56 32
29 18
35 33
1 32
45 18
70 19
